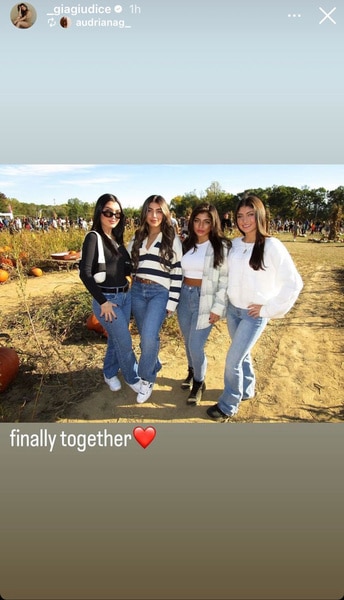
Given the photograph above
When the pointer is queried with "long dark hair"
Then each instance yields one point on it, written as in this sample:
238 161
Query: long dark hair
167 230
216 237
25 9
117 231
257 256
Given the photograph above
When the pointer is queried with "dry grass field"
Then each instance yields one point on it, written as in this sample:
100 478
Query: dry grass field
299 359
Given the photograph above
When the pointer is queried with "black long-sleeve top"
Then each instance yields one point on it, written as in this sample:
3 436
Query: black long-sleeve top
118 265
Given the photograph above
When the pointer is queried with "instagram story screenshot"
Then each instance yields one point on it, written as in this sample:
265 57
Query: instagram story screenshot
171 192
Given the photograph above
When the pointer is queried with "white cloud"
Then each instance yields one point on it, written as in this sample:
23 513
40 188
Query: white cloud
94 181
34 170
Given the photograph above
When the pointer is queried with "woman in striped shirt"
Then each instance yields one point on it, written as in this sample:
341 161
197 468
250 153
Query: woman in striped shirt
156 253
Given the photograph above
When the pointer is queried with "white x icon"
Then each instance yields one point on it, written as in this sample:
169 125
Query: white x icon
327 15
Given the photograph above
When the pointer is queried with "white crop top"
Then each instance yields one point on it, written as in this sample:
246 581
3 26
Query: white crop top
193 261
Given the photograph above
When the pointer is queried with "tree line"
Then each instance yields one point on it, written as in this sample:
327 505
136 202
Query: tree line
283 202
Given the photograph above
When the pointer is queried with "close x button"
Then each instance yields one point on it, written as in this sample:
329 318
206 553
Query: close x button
327 15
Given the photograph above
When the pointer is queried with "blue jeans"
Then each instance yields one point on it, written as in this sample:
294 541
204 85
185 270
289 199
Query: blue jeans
119 352
148 304
239 374
194 339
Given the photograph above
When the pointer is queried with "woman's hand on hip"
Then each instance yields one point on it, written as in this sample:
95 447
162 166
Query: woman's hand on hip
107 311
254 310
213 318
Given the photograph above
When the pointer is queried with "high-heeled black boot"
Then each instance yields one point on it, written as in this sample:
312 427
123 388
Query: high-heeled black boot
186 385
195 395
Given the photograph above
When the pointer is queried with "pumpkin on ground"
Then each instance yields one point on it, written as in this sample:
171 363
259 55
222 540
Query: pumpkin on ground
93 324
3 275
9 367
36 272
6 261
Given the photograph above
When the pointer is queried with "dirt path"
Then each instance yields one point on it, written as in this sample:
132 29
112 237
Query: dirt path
304 381
299 364
35 287
298 360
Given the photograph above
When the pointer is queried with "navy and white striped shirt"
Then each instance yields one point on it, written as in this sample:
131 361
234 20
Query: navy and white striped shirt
152 267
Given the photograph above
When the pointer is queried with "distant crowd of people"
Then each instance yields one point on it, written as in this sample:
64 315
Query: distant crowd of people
181 225
307 227
42 224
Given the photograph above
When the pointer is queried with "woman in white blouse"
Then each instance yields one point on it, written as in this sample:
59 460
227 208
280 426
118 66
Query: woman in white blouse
202 299
263 284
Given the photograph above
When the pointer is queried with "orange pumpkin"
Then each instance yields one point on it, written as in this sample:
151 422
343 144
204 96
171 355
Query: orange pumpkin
93 324
72 255
3 275
6 261
36 272
9 367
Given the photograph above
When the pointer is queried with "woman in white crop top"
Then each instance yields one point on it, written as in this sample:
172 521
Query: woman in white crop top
263 284
202 299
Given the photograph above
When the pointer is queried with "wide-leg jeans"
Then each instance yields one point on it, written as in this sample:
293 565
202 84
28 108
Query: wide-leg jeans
194 339
149 301
239 377
119 353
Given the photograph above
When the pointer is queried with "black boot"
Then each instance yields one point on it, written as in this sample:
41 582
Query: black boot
186 385
195 395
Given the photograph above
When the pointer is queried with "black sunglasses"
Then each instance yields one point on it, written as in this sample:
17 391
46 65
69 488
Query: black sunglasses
108 213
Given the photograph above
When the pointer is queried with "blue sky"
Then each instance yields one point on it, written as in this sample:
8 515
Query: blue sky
132 184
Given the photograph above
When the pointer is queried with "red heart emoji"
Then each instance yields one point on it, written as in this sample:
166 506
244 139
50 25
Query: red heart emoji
144 436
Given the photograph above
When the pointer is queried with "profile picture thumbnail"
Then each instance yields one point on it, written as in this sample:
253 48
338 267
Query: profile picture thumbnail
65 22
23 15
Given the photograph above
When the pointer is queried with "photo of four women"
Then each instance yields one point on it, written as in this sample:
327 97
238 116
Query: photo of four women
203 279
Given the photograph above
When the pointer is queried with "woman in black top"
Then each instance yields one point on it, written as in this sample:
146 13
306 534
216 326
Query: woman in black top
111 297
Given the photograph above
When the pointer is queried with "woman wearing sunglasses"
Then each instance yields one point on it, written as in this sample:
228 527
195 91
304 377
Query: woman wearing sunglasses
111 297
156 252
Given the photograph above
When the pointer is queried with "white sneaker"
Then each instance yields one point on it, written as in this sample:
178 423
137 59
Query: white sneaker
145 391
135 386
113 383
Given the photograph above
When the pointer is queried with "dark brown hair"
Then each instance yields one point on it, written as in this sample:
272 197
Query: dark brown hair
167 230
216 237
